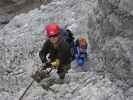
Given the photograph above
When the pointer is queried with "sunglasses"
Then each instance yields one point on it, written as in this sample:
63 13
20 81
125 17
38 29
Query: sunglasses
53 36
83 46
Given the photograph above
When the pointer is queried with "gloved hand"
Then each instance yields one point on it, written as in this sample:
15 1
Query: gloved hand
56 63
45 65
80 61
54 74
48 58
39 75
82 55
76 56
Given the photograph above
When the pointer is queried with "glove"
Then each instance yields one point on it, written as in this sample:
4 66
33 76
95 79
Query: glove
45 65
39 75
76 56
48 58
80 61
82 55
54 74
55 63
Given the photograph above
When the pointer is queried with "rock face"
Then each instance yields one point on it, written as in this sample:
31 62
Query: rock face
19 2
113 35
10 8
15 6
108 24
22 38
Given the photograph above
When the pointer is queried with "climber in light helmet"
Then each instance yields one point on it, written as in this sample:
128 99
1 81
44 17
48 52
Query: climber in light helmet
81 50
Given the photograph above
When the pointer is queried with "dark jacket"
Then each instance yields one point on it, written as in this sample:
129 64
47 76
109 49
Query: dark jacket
62 52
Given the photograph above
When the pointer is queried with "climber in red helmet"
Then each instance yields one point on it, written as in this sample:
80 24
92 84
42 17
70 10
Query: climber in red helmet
56 50
52 30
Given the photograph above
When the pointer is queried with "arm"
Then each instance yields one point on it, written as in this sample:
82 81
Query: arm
43 52
65 59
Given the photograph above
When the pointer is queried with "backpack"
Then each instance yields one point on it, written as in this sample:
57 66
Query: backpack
69 38
67 35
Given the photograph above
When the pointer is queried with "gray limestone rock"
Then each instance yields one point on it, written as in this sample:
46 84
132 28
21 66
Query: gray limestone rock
108 24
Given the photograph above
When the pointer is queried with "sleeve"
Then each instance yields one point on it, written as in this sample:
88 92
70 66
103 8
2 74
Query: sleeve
76 49
77 43
44 51
65 58
66 54
77 52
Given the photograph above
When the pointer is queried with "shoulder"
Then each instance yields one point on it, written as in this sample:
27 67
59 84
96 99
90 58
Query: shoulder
77 42
64 44
47 43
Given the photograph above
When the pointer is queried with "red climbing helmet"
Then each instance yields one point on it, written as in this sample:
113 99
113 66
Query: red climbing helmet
52 30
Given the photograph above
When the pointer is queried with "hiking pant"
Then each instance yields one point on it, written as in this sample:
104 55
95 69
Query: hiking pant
63 70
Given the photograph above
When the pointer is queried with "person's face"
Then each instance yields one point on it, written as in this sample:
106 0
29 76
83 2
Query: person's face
54 39
82 48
